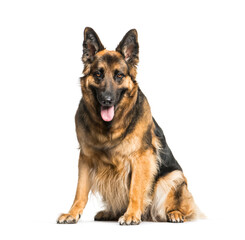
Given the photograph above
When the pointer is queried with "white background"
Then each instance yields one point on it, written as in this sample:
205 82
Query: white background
192 59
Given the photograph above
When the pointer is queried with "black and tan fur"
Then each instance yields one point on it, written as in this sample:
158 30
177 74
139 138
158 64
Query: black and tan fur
126 160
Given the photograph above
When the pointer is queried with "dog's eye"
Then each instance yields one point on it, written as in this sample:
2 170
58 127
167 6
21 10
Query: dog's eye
120 75
98 74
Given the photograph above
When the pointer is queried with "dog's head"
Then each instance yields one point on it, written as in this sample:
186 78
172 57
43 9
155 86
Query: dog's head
108 84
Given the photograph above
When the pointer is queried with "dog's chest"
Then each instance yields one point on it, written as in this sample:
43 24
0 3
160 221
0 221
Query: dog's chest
112 181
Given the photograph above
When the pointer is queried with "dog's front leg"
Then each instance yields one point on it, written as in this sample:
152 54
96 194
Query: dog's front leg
81 198
143 170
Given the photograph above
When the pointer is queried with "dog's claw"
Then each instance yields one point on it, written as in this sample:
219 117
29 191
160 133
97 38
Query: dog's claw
67 219
129 220
175 217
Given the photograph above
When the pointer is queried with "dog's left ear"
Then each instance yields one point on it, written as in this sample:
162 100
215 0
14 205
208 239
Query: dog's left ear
129 48
91 45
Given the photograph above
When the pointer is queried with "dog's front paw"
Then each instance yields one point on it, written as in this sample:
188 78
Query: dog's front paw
129 219
68 218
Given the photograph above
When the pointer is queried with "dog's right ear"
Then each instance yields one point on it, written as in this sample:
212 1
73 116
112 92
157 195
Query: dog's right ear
91 45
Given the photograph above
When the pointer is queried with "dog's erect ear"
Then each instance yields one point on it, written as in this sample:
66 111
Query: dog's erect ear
91 45
129 46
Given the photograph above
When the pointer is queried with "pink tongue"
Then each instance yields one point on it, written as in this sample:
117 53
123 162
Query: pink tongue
107 113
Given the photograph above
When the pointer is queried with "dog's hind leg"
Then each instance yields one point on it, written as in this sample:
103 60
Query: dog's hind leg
172 200
179 204
105 215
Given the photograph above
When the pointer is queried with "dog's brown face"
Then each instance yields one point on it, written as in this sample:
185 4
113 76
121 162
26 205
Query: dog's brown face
109 84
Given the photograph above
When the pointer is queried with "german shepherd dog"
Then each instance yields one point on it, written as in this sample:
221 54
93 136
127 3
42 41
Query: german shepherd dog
123 152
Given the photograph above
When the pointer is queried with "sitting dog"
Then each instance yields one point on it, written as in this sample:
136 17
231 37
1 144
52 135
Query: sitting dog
123 152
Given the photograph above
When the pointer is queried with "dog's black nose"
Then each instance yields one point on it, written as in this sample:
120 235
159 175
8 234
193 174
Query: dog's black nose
107 99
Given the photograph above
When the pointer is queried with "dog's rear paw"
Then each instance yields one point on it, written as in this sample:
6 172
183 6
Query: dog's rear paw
104 216
68 219
175 217
129 219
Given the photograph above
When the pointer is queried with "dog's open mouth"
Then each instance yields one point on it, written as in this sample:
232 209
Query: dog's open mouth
107 113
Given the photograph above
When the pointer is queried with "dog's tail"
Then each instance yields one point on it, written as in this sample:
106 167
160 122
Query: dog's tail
196 215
